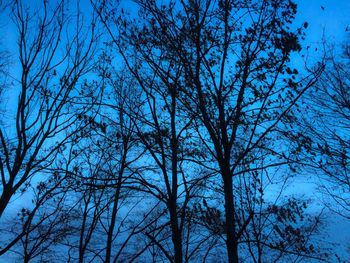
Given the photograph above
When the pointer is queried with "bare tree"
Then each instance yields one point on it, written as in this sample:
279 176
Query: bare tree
41 223
228 63
52 59
326 128
169 148
164 130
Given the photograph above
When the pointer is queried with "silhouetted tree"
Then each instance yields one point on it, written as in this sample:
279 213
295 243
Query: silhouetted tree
228 62
179 143
165 132
326 130
41 223
50 66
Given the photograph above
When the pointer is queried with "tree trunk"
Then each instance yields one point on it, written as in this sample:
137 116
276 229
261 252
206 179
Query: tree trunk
82 234
176 233
115 205
5 199
111 228
26 258
231 240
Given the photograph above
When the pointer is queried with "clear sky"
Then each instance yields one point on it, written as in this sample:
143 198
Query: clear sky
330 16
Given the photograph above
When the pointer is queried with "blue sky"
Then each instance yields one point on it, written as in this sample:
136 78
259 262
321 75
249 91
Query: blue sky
333 19
330 17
